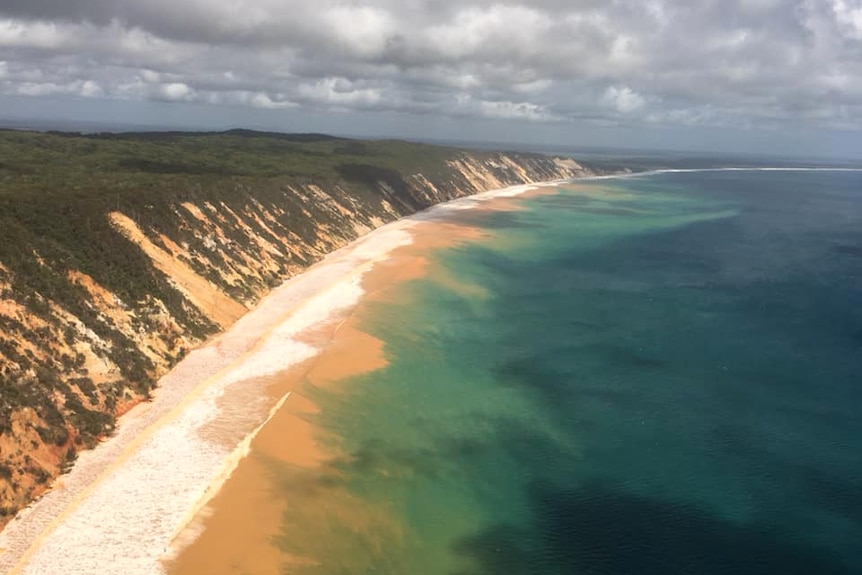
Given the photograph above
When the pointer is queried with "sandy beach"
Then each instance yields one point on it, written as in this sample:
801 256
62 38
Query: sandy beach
173 490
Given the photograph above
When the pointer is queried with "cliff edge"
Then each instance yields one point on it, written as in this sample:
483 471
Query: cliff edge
121 252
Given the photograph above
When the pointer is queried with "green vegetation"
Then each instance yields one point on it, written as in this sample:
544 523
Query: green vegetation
56 190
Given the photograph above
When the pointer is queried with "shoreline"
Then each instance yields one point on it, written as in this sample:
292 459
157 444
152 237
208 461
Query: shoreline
86 517
237 527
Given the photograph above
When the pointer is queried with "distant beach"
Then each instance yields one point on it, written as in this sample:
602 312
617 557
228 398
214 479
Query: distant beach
141 496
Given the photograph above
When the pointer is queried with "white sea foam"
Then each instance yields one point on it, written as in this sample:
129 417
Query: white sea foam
127 504
724 169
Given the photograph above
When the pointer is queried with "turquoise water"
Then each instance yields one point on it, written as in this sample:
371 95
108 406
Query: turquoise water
656 375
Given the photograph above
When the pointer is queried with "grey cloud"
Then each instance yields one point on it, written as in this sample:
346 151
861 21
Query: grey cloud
707 62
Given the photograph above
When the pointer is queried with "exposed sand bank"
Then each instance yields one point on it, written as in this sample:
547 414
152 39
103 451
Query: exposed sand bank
143 495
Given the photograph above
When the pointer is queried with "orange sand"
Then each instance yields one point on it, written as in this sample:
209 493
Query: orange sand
204 295
241 526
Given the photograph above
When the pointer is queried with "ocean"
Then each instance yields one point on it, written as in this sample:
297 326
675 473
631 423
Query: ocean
659 374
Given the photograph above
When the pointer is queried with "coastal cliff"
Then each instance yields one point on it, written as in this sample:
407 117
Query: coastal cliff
119 253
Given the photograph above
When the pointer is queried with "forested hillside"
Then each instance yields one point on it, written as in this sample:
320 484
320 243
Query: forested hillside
120 252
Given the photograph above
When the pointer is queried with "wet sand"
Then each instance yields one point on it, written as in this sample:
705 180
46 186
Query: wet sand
175 486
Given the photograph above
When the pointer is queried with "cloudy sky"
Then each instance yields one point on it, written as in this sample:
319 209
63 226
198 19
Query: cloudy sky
749 75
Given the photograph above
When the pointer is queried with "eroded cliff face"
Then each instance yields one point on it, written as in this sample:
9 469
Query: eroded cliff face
70 365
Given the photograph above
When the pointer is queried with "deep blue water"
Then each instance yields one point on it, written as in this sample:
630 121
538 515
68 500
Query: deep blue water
655 375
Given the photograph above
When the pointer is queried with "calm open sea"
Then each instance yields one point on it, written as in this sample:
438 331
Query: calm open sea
654 375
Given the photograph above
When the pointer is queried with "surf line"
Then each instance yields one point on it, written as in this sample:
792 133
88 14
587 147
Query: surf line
724 169
185 532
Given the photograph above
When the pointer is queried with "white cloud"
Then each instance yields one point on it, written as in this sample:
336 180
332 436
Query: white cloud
150 76
513 111
46 35
339 92
175 91
90 89
849 16
670 61
623 99
265 101
477 35
361 29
